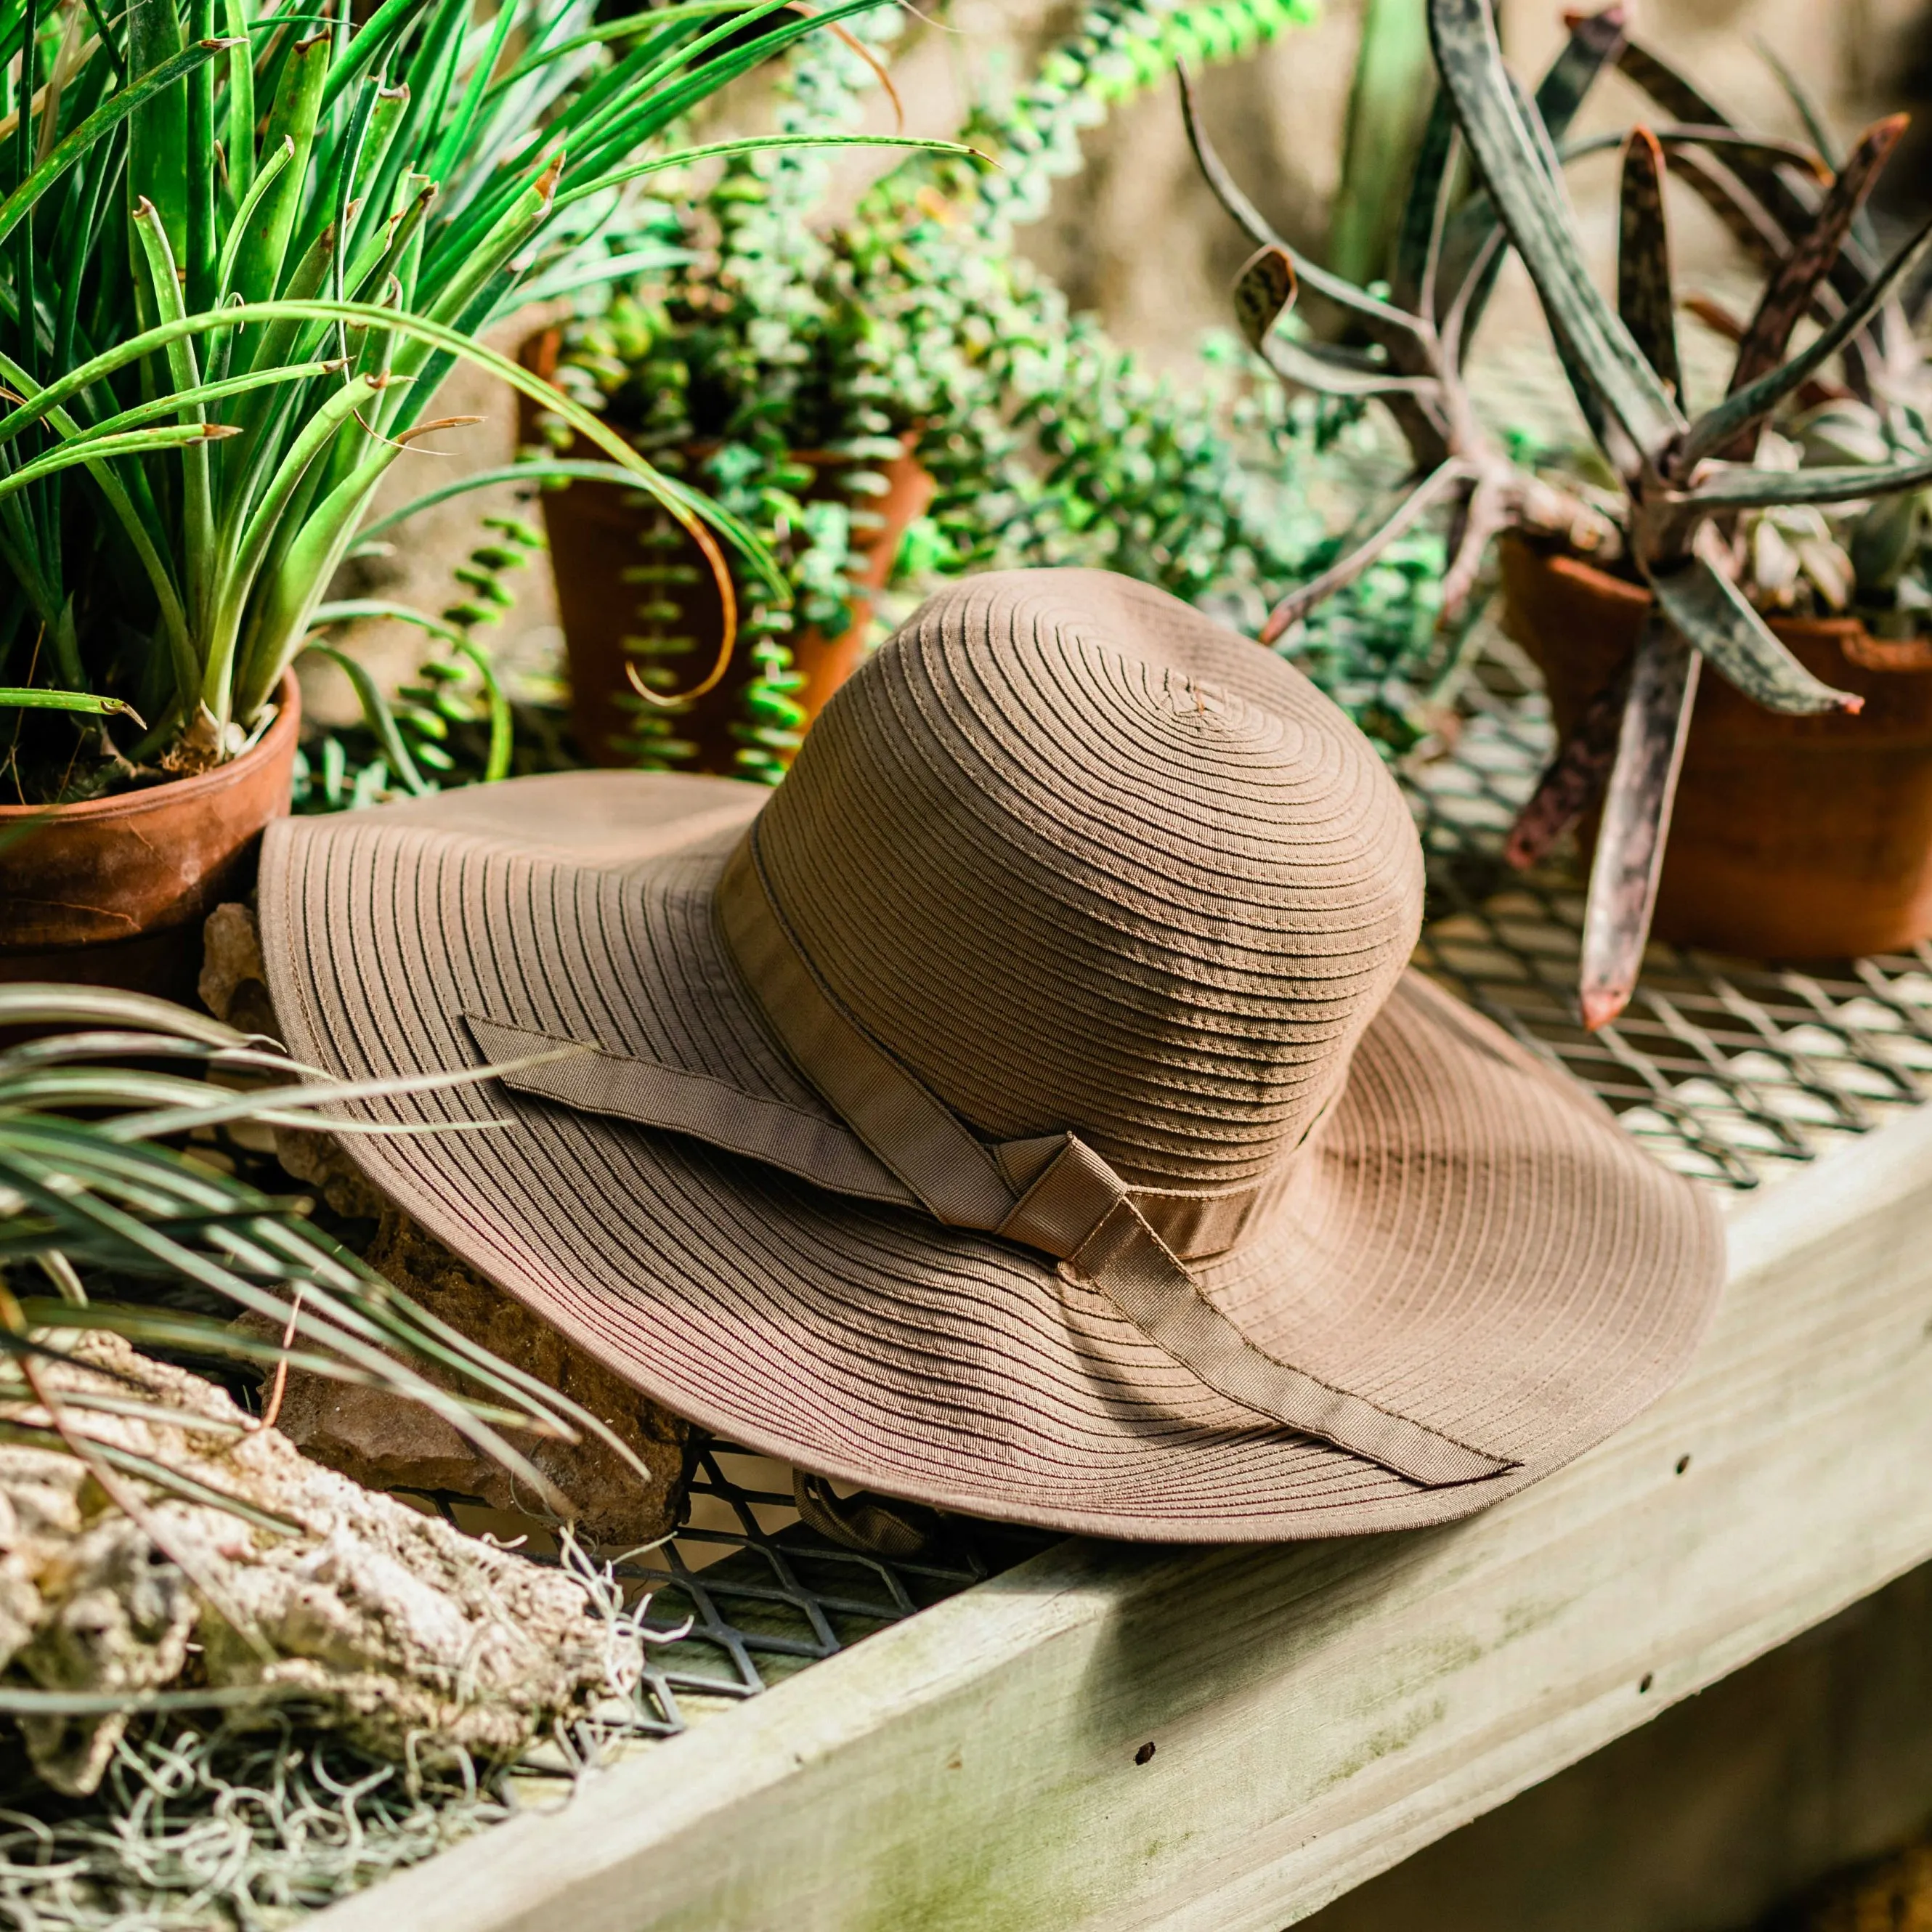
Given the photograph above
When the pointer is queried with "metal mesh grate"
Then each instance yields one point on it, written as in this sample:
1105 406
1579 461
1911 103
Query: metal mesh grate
763 1596
1730 1070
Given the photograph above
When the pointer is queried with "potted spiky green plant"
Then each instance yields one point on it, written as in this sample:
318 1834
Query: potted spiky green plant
1684 484
241 249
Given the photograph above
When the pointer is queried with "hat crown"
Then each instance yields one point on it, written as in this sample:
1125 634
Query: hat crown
1084 860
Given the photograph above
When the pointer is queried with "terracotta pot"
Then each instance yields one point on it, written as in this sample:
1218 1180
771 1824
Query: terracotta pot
594 531
112 892
1792 838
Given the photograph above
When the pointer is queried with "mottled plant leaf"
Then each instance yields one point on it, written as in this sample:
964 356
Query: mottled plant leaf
1682 100
1812 256
1595 39
1264 293
1722 322
1720 141
1713 614
1575 779
1644 299
1636 819
1418 244
1720 428
1745 488
1605 363
1591 47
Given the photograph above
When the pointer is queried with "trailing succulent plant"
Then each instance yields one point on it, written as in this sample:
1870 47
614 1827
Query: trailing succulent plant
1688 484
914 319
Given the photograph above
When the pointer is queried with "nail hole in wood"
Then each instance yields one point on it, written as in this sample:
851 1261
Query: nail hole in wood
1644 1682
1683 1463
1145 1752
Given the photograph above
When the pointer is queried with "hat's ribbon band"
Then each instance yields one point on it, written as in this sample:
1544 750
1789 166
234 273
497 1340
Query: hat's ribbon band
1054 1193
900 1143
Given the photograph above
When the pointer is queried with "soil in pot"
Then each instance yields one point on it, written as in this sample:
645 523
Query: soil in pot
112 891
631 587
1792 838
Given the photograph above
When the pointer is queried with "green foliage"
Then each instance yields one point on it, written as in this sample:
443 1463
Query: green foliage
914 321
234 270
133 1232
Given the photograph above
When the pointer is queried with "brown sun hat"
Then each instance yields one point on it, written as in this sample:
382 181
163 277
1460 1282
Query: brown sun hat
1026 1110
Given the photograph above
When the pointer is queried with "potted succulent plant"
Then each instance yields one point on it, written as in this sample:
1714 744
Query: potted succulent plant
243 247
1669 551
823 379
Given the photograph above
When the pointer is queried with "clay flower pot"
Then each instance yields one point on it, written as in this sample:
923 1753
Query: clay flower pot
597 533
112 891
1792 838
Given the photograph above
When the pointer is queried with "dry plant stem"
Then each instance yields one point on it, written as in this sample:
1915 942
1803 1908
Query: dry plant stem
1294 608
1636 819
1575 779
272 1408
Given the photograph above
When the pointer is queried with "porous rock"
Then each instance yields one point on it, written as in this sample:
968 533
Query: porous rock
387 1442
387 1624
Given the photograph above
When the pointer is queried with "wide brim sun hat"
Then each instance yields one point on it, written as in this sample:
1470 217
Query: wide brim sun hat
1027 1110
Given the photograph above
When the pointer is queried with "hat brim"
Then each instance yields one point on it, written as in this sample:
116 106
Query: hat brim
1469 1241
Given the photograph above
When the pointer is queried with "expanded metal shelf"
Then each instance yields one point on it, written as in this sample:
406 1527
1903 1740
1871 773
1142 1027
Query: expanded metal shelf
1731 1070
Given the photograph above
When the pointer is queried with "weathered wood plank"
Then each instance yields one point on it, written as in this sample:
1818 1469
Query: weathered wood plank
1317 1712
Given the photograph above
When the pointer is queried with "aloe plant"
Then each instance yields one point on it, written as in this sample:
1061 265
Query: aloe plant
241 245
1686 482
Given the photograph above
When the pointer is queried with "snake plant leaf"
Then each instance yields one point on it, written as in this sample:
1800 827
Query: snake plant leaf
292 119
1636 819
1311 274
157 156
1575 777
1645 297
1812 255
1714 615
1720 427
1743 487
1593 40
92 449
1264 293
1766 150
1607 366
